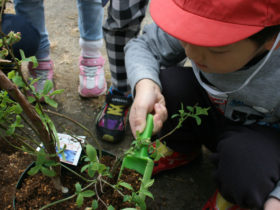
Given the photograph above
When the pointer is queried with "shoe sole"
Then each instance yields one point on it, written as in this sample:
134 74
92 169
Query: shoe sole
93 96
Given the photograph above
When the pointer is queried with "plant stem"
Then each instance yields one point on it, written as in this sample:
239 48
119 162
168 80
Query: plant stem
29 124
80 125
31 113
83 178
97 195
174 129
112 186
65 199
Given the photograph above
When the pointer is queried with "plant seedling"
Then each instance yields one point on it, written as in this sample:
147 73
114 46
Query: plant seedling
139 160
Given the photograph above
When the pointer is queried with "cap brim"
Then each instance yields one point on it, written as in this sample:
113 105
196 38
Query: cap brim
196 29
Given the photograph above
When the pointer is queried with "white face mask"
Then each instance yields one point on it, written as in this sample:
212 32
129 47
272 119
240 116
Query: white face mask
221 93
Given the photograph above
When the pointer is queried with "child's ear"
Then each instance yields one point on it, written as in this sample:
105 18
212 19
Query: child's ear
268 44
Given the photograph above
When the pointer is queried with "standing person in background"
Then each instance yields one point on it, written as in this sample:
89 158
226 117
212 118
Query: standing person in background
91 62
30 37
123 23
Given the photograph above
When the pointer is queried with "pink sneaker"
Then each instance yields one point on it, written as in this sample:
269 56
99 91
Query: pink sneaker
92 77
44 71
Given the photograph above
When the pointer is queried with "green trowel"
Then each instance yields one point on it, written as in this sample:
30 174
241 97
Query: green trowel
140 160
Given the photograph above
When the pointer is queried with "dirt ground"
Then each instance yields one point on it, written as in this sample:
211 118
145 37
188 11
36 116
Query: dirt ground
187 188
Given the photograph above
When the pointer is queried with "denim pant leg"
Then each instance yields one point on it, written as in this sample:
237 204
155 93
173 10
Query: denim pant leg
33 10
90 19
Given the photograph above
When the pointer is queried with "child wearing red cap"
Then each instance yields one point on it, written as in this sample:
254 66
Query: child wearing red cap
233 47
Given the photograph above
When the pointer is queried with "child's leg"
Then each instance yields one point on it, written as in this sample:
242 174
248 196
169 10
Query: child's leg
92 77
30 37
90 19
179 86
33 10
123 23
247 158
248 161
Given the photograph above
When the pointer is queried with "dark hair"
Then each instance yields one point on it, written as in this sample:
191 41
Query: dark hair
264 35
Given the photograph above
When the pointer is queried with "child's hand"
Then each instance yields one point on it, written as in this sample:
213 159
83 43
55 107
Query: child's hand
148 99
272 204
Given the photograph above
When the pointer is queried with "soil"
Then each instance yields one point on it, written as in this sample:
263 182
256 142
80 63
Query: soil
12 165
42 187
186 188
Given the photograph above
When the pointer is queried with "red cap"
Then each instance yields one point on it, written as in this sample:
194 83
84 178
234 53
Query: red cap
214 22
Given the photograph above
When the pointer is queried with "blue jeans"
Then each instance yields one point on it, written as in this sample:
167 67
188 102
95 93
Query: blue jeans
90 20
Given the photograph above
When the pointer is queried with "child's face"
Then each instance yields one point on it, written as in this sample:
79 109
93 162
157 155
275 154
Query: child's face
224 59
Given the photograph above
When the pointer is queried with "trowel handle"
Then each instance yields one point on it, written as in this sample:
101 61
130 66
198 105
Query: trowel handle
147 133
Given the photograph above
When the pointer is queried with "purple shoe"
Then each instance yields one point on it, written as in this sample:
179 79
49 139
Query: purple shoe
112 119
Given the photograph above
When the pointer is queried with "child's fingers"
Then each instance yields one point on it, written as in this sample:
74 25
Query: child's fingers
137 118
160 117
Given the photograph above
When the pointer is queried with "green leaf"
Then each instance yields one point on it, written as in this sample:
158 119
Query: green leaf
10 130
18 121
126 198
174 116
33 81
84 168
38 110
110 208
78 187
88 193
198 120
47 87
147 193
18 80
22 54
18 109
190 108
34 61
141 202
126 185
101 168
80 200
31 99
34 170
41 157
137 134
47 171
94 204
50 163
11 74
93 167
91 152
55 92
201 111
50 101
149 183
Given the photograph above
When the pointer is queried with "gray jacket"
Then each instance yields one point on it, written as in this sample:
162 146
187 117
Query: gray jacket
258 101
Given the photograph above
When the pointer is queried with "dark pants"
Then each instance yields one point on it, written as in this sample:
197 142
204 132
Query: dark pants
30 37
247 158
